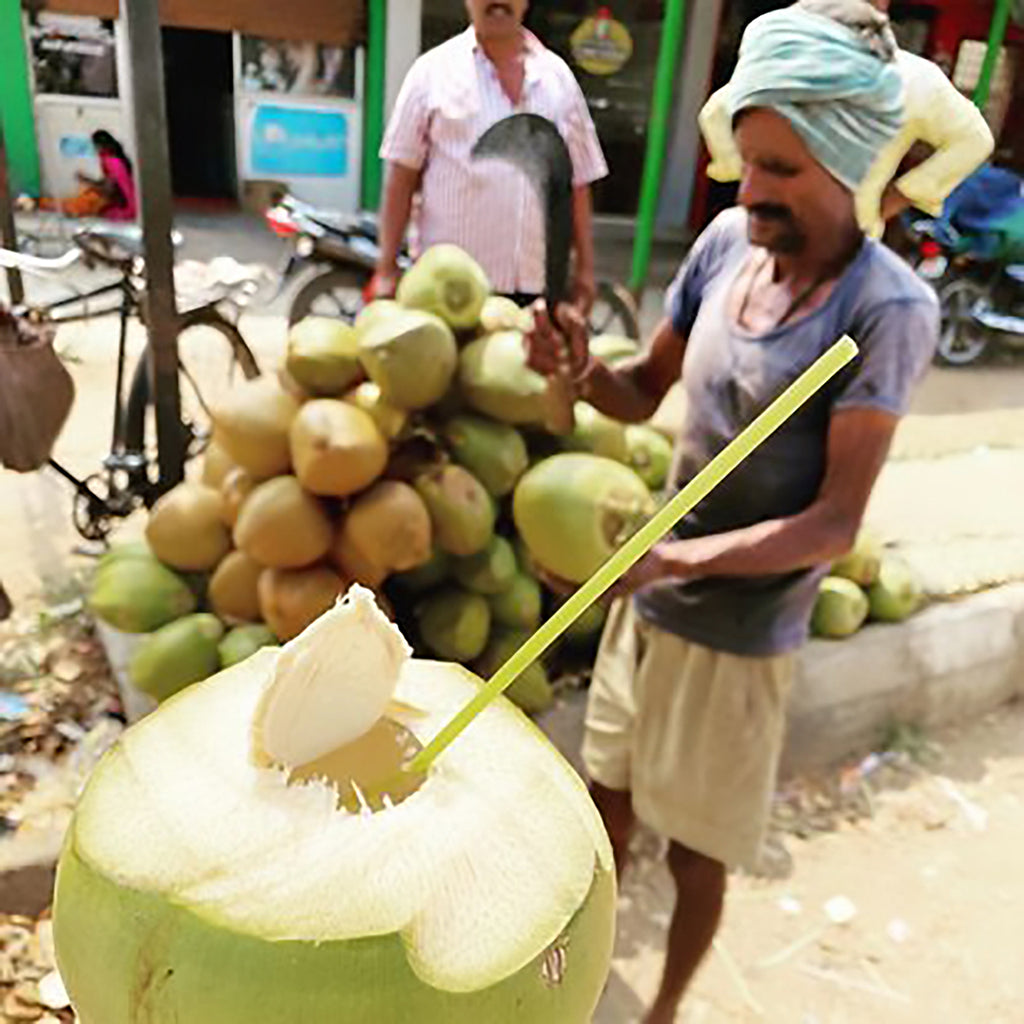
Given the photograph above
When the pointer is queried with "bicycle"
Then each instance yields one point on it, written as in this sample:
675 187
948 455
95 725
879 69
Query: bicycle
125 483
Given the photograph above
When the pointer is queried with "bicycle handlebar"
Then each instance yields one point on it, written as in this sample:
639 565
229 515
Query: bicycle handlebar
38 264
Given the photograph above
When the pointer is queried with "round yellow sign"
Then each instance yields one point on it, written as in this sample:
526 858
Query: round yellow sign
601 45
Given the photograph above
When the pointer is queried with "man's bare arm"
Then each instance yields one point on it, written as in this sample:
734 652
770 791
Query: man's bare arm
858 444
402 183
584 284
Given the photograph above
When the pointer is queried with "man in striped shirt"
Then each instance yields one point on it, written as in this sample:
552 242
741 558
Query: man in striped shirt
450 97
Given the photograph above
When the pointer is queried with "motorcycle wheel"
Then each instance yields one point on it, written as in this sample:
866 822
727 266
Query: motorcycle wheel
962 340
336 293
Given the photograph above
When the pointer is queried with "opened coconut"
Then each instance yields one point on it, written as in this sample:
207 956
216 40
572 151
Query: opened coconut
323 356
177 655
411 357
243 642
496 381
186 528
531 691
840 609
376 312
574 511
494 453
220 868
390 419
461 510
282 526
500 313
252 425
447 282
648 454
862 563
596 433
291 599
337 449
387 529
454 623
233 588
138 595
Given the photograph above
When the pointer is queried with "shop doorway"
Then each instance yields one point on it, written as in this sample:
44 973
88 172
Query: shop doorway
199 82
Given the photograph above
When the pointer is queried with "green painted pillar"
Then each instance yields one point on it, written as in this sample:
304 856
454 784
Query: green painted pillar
996 38
373 101
16 102
673 35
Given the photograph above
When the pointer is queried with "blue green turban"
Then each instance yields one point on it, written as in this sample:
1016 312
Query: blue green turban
828 81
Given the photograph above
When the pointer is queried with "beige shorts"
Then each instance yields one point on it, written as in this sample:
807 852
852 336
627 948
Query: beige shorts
694 734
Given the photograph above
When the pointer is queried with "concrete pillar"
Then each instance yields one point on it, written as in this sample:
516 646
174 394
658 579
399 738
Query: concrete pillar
692 90
405 18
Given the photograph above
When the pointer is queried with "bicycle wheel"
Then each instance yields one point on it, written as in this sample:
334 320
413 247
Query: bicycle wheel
212 358
614 311
334 293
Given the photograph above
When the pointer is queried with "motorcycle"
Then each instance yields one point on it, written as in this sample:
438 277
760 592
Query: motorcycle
343 252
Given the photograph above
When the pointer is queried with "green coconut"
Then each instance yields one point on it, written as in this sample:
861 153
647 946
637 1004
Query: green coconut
489 571
177 655
648 454
519 605
390 420
461 510
447 282
613 348
375 313
323 356
138 595
840 609
496 381
218 869
531 692
500 313
862 563
425 577
575 510
454 623
586 630
411 357
494 453
896 594
243 642
596 433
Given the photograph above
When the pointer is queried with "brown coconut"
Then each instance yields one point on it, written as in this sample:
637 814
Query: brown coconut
186 528
290 599
252 425
234 489
386 530
337 449
233 591
216 465
282 526
461 510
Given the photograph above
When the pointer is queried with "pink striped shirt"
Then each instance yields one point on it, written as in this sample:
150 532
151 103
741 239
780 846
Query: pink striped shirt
450 97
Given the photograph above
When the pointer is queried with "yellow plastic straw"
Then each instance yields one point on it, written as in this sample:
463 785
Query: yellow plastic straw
641 542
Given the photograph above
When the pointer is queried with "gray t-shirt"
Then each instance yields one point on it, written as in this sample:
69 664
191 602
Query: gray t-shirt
730 376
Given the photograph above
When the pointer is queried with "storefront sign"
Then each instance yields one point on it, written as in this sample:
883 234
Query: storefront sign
299 141
601 45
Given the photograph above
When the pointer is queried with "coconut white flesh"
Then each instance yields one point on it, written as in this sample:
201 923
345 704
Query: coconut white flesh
478 870
331 683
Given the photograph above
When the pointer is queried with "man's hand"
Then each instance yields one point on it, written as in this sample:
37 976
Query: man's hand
383 285
662 564
557 349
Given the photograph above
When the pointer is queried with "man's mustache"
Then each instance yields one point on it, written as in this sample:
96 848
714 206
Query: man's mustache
498 8
771 211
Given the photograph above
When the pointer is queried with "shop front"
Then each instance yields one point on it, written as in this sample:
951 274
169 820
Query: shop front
254 93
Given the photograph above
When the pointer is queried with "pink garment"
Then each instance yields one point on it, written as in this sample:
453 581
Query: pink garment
450 97
125 207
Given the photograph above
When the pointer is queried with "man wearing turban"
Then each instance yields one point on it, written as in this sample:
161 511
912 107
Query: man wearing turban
687 706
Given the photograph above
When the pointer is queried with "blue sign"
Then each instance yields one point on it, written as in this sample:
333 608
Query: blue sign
76 146
299 141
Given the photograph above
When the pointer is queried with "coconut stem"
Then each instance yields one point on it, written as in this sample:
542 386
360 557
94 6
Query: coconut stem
809 382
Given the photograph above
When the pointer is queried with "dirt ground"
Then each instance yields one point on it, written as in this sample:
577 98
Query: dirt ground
930 877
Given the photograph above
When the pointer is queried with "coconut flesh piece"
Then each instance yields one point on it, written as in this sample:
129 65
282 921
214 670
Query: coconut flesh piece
483 867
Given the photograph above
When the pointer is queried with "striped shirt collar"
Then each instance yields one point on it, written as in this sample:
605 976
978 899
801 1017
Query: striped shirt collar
534 48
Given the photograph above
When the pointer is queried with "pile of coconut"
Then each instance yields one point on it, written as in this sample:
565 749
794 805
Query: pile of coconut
409 453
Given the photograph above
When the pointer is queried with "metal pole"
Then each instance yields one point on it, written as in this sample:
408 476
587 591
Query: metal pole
8 232
146 74
996 38
376 70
